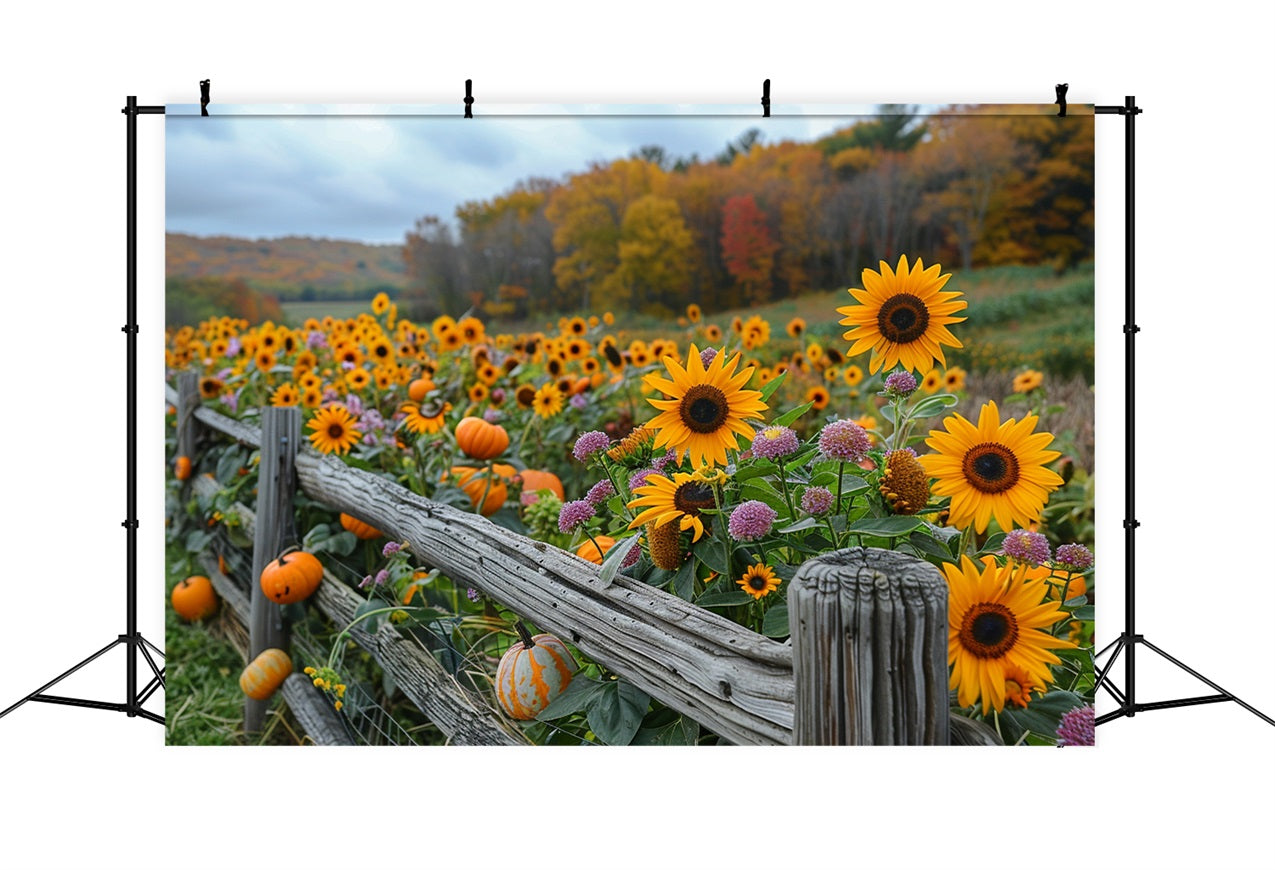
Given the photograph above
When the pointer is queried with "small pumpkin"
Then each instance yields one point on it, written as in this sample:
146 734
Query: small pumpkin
292 577
265 673
474 485
533 672
182 468
194 598
481 440
361 530
534 481
419 388
588 551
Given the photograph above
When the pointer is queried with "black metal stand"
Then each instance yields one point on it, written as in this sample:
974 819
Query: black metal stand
133 641
1129 639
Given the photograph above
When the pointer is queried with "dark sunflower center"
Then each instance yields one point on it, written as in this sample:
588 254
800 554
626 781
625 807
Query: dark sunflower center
988 630
990 467
336 431
903 318
613 356
693 497
704 408
757 582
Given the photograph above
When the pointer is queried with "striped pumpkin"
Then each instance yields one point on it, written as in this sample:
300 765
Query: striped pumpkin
265 673
532 673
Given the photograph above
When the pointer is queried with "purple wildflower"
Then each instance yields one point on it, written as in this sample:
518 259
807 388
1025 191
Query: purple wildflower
528 498
234 346
590 443
751 520
348 366
381 577
1075 558
579 402
573 515
354 405
775 442
1024 546
365 582
632 558
315 339
816 500
472 594
498 396
1077 727
638 478
231 401
373 420
707 355
390 548
600 492
225 373
844 440
900 384
659 462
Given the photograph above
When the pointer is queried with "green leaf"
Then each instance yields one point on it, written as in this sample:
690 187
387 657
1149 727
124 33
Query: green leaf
789 417
683 585
932 405
577 697
315 537
885 527
762 490
615 557
1041 716
993 544
341 544
775 622
709 552
799 526
616 711
1084 613
723 599
229 464
773 384
930 547
197 540
680 732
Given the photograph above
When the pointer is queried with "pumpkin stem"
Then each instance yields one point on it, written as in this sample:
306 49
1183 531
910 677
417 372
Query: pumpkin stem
293 548
527 642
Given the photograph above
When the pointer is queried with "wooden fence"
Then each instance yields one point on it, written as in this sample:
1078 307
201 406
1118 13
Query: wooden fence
867 663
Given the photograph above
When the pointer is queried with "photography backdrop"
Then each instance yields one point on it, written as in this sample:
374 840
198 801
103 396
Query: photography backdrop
1209 792
887 280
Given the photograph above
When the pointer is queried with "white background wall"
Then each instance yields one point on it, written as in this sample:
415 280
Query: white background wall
1187 788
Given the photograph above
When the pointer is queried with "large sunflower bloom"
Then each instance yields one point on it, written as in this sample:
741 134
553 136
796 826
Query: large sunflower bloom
680 498
993 469
995 629
334 430
705 410
902 317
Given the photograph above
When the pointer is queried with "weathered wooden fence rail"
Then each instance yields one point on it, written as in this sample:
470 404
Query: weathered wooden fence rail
736 683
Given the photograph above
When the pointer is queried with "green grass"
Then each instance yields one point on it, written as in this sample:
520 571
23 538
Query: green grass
295 313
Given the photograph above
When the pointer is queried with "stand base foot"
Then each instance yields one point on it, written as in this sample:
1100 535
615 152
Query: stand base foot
133 706
1128 706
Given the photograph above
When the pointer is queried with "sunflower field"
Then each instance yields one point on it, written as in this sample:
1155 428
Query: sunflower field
710 461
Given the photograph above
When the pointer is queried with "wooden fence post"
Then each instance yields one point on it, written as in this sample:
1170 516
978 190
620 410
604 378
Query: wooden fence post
187 402
276 482
869 642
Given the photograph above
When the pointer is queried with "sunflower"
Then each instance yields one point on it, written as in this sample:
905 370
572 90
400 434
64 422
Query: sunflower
819 396
442 324
759 580
358 378
380 303
311 398
608 318
334 430
381 350
424 420
450 340
576 326
1027 381
706 408
992 469
285 396
1020 685
954 379
680 498
525 396
995 627
756 332
693 313
932 381
265 360
634 448
547 401
795 327
902 317
210 388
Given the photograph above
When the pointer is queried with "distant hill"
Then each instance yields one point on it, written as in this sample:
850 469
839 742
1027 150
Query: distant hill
290 268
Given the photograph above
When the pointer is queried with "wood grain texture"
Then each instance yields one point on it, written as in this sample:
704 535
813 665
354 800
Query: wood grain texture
281 430
187 402
869 635
314 712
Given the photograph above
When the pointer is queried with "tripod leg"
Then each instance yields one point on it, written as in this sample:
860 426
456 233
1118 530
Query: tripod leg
62 676
159 652
154 668
1249 707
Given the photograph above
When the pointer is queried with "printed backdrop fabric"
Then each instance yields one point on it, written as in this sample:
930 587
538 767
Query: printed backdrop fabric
597 403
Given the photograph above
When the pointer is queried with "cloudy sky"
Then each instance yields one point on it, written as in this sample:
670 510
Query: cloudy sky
367 173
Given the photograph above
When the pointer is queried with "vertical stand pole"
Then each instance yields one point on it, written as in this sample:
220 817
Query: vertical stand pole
130 328
1130 329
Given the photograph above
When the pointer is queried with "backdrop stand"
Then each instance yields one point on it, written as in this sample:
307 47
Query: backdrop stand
132 640
1129 640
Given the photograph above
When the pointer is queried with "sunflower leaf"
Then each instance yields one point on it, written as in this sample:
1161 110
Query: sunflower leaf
927 546
683 585
795 413
885 527
775 622
616 711
1041 716
932 405
773 384
799 526
723 599
575 698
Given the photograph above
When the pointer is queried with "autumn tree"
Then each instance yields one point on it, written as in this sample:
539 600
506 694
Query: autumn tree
654 252
508 240
747 247
434 270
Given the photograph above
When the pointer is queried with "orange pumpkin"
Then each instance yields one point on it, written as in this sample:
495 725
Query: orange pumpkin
181 467
474 484
194 598
590 552
534 481
417 389
533 672
265 673
292 577
361 530
481 440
